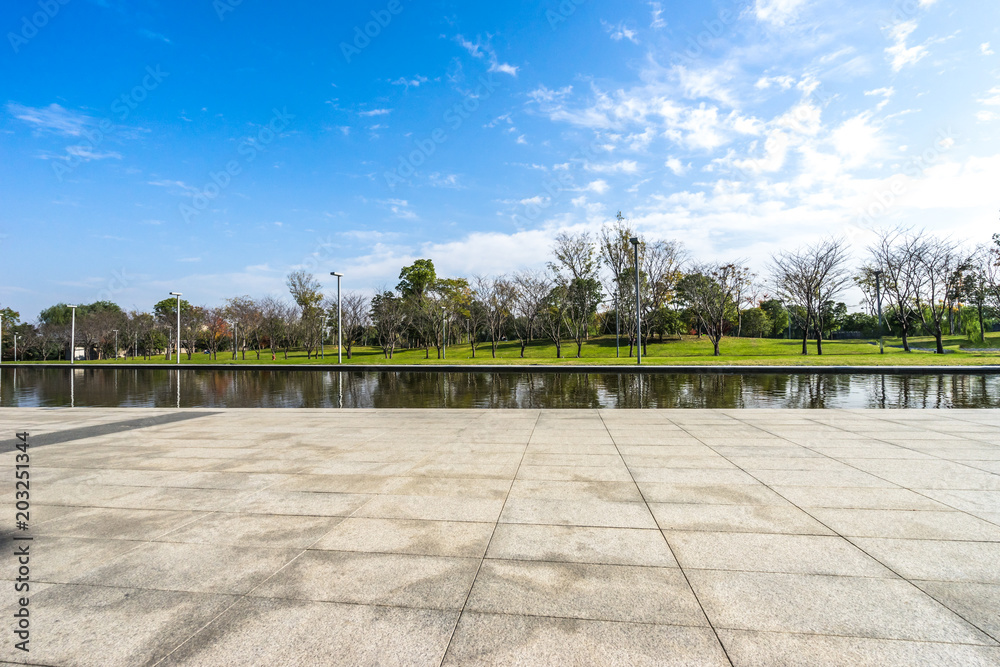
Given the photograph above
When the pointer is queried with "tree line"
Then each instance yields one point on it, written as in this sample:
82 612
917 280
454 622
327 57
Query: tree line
614 282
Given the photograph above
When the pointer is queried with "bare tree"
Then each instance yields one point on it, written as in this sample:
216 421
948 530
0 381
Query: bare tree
896 257
941 262
618 257
249 320
530 291
809 277
354 319
276 318
710 291
496 295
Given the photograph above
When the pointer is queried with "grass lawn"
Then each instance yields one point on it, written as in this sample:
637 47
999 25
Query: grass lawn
686 351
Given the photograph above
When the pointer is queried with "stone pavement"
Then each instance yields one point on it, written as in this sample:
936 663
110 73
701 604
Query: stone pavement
429 537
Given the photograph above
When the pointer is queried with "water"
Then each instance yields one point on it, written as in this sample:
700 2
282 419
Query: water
98 387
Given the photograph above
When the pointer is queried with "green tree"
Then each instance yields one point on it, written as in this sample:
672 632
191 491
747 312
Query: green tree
756 323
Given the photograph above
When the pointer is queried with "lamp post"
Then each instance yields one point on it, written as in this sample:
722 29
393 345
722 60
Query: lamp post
15 348
72 336
444 332
340 339
177 346
1 338
116 344
638 315
878 300
618 319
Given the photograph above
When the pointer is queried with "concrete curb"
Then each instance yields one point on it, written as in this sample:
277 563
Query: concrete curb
540 368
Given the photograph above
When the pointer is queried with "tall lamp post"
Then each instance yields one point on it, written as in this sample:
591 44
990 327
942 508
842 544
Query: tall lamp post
177 347
340 339
444 332
72 336
15 348
638 315
878 300
116 344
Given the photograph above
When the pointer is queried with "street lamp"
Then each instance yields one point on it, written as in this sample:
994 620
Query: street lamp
878 300
72 337
340 340
116 344
177 346
15 348
1 338
638 316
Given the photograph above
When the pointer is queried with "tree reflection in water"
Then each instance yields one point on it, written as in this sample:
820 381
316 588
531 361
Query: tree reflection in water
99 387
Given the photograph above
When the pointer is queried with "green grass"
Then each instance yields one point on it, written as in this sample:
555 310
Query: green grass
687 351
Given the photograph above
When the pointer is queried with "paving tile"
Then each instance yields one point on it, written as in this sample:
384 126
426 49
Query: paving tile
766 649
910 524
112 627
575 544
407 536
936 559
977 603
575 590
63 559
608 491
577 512
858 498
833 605
427 582
254 530
261 631
754 552
432 508
195 568
300 503
736 518
716 494
116 524
575 473
492 639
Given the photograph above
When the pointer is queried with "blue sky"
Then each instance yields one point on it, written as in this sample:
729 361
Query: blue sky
212 147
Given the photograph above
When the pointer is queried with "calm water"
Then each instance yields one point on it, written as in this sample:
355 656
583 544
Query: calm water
57 387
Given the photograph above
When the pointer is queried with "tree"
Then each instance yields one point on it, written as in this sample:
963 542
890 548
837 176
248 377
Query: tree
354 319
249 319
809 277
710 291
575 270
896 257
756 323
276 318
388 314
941 265
530 291
308 294
496 298
779 317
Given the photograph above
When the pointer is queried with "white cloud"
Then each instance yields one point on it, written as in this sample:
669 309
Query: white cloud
985 49
777 12
658 20
375 112
415 82
625 167
53 118
676 166
885 93
485 51
600 186
620 32
900 54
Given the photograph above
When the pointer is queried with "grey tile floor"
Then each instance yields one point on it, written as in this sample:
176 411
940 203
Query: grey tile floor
431 537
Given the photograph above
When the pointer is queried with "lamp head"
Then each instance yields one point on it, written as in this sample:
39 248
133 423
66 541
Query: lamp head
175 294
634 241
334 273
